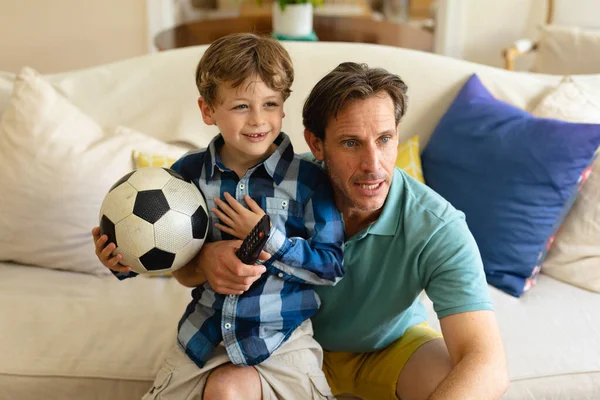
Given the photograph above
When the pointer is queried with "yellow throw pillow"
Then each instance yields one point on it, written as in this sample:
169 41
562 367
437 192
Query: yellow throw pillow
409 158
143 160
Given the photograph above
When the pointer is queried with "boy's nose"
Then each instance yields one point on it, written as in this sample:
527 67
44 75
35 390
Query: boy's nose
256 118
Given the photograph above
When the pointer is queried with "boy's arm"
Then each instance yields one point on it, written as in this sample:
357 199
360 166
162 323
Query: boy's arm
318 259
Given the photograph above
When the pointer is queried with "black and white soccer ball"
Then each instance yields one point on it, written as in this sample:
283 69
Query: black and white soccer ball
157 220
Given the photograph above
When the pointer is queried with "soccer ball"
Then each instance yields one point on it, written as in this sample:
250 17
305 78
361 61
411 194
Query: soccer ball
157 220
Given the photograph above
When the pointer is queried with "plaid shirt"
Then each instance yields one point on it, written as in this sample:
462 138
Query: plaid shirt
306 243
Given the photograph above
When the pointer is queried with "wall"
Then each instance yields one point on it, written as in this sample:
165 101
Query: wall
59 35
479 30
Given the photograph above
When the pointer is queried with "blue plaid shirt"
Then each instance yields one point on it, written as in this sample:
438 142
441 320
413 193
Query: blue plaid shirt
305 244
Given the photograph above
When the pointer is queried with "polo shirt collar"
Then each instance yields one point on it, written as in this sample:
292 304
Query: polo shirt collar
389 219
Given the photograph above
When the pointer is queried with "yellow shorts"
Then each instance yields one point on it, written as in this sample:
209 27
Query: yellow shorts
374 375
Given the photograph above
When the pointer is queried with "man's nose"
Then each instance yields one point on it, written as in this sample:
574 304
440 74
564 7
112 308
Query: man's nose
370 159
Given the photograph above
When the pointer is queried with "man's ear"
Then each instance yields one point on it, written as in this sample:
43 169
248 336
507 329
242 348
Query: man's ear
315 144
207 112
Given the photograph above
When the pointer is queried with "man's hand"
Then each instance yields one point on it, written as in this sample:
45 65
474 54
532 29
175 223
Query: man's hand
237 220
103 252
224 271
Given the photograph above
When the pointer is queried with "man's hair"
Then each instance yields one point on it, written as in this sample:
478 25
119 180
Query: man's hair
234 58
347 82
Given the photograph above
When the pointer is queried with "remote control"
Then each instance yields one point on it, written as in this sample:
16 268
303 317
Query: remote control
253 244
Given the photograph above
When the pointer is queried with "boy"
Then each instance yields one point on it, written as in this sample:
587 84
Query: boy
243 81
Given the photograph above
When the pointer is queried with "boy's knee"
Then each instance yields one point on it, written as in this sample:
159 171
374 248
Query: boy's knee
231 382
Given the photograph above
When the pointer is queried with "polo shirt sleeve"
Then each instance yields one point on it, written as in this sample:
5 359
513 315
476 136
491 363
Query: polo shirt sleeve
451 271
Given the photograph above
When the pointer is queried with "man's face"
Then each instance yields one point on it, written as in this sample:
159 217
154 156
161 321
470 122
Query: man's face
359 151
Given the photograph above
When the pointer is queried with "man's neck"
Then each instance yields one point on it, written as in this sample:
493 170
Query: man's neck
355 220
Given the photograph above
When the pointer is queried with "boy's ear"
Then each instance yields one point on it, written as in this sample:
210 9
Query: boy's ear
315 144
207 112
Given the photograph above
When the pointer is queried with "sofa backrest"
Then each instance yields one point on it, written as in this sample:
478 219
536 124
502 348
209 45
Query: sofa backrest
156 94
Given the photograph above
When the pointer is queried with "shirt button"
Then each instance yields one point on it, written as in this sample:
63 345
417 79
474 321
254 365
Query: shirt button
280 275
231 296
227 325
242 186
284 204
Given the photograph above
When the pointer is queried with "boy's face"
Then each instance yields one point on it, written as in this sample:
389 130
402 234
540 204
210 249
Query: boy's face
249 118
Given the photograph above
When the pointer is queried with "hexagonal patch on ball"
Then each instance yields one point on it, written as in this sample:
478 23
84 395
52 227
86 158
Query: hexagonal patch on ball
199 223
186 254
183 196
150 205
136 236
149 178
157 260
128 259
119 202
173 231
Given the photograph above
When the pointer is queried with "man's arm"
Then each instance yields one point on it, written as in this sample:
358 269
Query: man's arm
475 346
454 278
217 263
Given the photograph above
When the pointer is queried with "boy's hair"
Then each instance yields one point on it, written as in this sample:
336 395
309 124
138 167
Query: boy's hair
237 57
349 81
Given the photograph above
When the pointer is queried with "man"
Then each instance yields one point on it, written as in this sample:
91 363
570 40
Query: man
401 238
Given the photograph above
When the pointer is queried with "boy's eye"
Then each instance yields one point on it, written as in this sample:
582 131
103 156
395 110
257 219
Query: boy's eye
240 107
271 104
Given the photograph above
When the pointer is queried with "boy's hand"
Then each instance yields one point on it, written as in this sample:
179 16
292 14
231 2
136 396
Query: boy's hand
104 253
236 219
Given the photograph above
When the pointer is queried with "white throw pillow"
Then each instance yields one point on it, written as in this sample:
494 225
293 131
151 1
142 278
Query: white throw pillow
570 102
57 164
574 256
566 50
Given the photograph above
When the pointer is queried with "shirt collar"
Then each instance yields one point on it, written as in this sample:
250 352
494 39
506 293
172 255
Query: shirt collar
276 164
389 219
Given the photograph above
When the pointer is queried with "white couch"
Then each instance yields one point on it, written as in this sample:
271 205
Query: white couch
68 335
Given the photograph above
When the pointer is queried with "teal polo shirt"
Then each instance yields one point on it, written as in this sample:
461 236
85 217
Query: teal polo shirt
419 242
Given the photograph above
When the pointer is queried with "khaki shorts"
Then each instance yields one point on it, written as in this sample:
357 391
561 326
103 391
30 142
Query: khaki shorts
374 375
292 372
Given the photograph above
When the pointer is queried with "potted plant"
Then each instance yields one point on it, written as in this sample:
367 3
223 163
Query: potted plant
293 18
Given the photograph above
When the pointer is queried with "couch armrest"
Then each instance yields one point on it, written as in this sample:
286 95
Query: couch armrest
518 48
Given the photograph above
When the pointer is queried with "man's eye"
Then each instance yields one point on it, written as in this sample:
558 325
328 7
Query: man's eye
349 143
385 139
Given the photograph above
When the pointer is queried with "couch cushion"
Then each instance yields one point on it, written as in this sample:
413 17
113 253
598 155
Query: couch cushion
510 173
66 324
57 166
551 340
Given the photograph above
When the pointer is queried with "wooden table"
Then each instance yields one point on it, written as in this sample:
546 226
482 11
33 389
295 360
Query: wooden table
327 28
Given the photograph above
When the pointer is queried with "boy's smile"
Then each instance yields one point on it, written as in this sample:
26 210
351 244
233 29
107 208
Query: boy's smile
249 118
